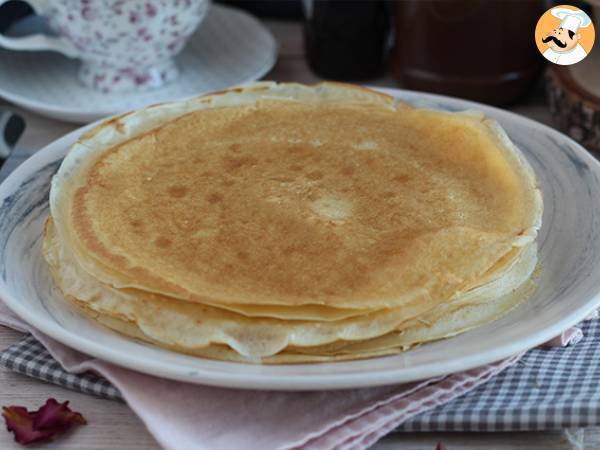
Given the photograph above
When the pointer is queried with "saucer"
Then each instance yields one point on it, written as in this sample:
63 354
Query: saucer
230 47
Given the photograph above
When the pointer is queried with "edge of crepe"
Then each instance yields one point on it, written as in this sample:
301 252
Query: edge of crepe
522 166
92 144
475 315
128 125
99 298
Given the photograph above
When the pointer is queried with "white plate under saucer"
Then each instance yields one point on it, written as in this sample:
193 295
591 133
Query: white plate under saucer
230 47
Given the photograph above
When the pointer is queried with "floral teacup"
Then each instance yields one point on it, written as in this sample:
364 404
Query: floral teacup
124 45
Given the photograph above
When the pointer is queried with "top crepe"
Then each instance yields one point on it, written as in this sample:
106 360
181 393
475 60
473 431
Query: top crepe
292 195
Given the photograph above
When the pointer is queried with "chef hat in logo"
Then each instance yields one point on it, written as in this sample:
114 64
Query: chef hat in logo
570 19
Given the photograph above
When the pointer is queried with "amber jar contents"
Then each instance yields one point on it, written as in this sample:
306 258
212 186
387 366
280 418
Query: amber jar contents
482 50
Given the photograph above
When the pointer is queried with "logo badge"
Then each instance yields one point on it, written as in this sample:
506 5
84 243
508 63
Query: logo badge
564 35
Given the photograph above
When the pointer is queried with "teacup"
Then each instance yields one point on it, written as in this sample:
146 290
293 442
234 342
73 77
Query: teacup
124 45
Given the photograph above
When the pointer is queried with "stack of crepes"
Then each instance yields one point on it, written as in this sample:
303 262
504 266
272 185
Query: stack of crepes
283 223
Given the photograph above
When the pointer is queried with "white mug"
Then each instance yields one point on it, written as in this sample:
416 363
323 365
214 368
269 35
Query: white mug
124 45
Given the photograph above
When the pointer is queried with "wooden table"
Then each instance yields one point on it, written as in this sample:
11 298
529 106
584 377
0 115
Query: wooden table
112 425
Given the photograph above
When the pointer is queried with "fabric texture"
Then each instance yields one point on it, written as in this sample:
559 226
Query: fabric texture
485 398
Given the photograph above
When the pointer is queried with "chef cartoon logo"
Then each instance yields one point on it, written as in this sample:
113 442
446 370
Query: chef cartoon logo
564 35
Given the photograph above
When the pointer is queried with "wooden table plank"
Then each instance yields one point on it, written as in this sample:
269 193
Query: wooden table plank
113 426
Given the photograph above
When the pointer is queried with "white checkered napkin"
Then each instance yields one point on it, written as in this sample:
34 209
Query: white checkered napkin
31 358
546 389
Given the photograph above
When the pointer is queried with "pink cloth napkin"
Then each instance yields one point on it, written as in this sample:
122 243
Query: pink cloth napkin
570 336
184 416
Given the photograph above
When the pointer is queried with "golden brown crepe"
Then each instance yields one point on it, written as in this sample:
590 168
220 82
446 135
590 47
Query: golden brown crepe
192 326
282 216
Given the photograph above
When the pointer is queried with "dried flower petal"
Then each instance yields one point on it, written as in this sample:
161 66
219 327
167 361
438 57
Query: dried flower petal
44 424
20 422
56 415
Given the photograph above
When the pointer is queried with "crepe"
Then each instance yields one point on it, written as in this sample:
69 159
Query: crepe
279 217
191 326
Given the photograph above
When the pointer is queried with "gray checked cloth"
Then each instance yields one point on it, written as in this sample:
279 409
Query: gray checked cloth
547 388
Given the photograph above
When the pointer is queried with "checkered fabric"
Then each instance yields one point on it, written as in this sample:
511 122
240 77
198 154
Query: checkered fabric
29 357
547 388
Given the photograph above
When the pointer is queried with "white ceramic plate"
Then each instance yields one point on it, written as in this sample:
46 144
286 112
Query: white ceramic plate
569 284
229 48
